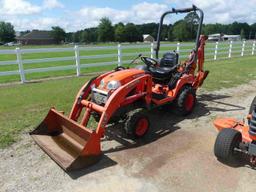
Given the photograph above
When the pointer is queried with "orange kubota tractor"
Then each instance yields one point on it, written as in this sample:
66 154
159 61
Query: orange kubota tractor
236 137
124 94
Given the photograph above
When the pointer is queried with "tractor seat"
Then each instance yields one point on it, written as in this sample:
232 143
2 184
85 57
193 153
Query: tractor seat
169 59
161 72
166 67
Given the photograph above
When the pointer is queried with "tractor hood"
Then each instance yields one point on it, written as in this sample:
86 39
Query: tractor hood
119 78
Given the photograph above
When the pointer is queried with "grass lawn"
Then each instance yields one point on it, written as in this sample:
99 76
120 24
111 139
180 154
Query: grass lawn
24 106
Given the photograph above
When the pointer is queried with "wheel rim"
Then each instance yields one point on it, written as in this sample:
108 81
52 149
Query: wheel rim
141 127
189 102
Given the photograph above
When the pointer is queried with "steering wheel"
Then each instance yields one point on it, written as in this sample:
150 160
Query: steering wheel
119 68
150 62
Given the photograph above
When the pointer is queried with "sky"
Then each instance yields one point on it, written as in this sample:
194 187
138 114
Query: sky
73 15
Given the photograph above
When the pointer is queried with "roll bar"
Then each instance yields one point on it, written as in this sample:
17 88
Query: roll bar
185 10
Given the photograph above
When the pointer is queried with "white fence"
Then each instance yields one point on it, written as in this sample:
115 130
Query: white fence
213 51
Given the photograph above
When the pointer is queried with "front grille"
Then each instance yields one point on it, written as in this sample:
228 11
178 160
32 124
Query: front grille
99 97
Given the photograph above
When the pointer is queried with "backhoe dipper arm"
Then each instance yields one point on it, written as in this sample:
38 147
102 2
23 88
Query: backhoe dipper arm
200 53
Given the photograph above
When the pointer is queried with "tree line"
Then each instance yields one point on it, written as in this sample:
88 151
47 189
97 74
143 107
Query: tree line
182 30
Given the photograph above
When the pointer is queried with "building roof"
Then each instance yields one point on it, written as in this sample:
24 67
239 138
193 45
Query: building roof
213 35
36 34
222 35
147 37
234 36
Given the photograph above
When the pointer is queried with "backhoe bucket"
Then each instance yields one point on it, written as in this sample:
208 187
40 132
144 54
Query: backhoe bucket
200 77
69 144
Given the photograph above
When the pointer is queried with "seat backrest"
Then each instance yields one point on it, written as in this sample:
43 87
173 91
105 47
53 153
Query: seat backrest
169 59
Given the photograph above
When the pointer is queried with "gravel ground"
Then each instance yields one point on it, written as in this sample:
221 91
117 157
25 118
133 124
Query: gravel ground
177 155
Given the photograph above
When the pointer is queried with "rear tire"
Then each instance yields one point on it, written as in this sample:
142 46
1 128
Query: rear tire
185 101
137 123
226 141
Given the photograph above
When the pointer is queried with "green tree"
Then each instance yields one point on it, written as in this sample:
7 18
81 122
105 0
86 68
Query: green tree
120 32
58 34
24 32
89 35
237 27
170 35
105 30
148 28
69 37
192 21
253 29
7 32
164 33
93 34
180 31
85 37
76 37
242 34
217 28
131 33
210 29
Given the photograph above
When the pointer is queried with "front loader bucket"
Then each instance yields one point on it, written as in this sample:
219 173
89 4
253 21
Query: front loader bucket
69 144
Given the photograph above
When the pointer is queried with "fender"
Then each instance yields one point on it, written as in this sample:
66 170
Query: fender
119 97
186 79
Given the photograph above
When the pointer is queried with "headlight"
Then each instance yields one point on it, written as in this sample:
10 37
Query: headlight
113 85
101 83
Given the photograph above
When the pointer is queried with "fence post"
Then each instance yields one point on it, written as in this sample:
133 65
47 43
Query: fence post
230 49
216 50
77 57
20 64
119 54
253 47
242 52
152 50
178 47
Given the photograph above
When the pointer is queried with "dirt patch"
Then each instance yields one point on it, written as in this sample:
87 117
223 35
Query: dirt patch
176 156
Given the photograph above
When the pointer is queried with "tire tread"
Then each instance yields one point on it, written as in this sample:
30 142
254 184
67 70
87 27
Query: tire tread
180 101
225 143
131 121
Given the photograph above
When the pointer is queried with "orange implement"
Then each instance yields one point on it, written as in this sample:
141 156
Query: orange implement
236 137
68 143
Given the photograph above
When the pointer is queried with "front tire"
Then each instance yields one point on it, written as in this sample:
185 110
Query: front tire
185 102
137 124
225 144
